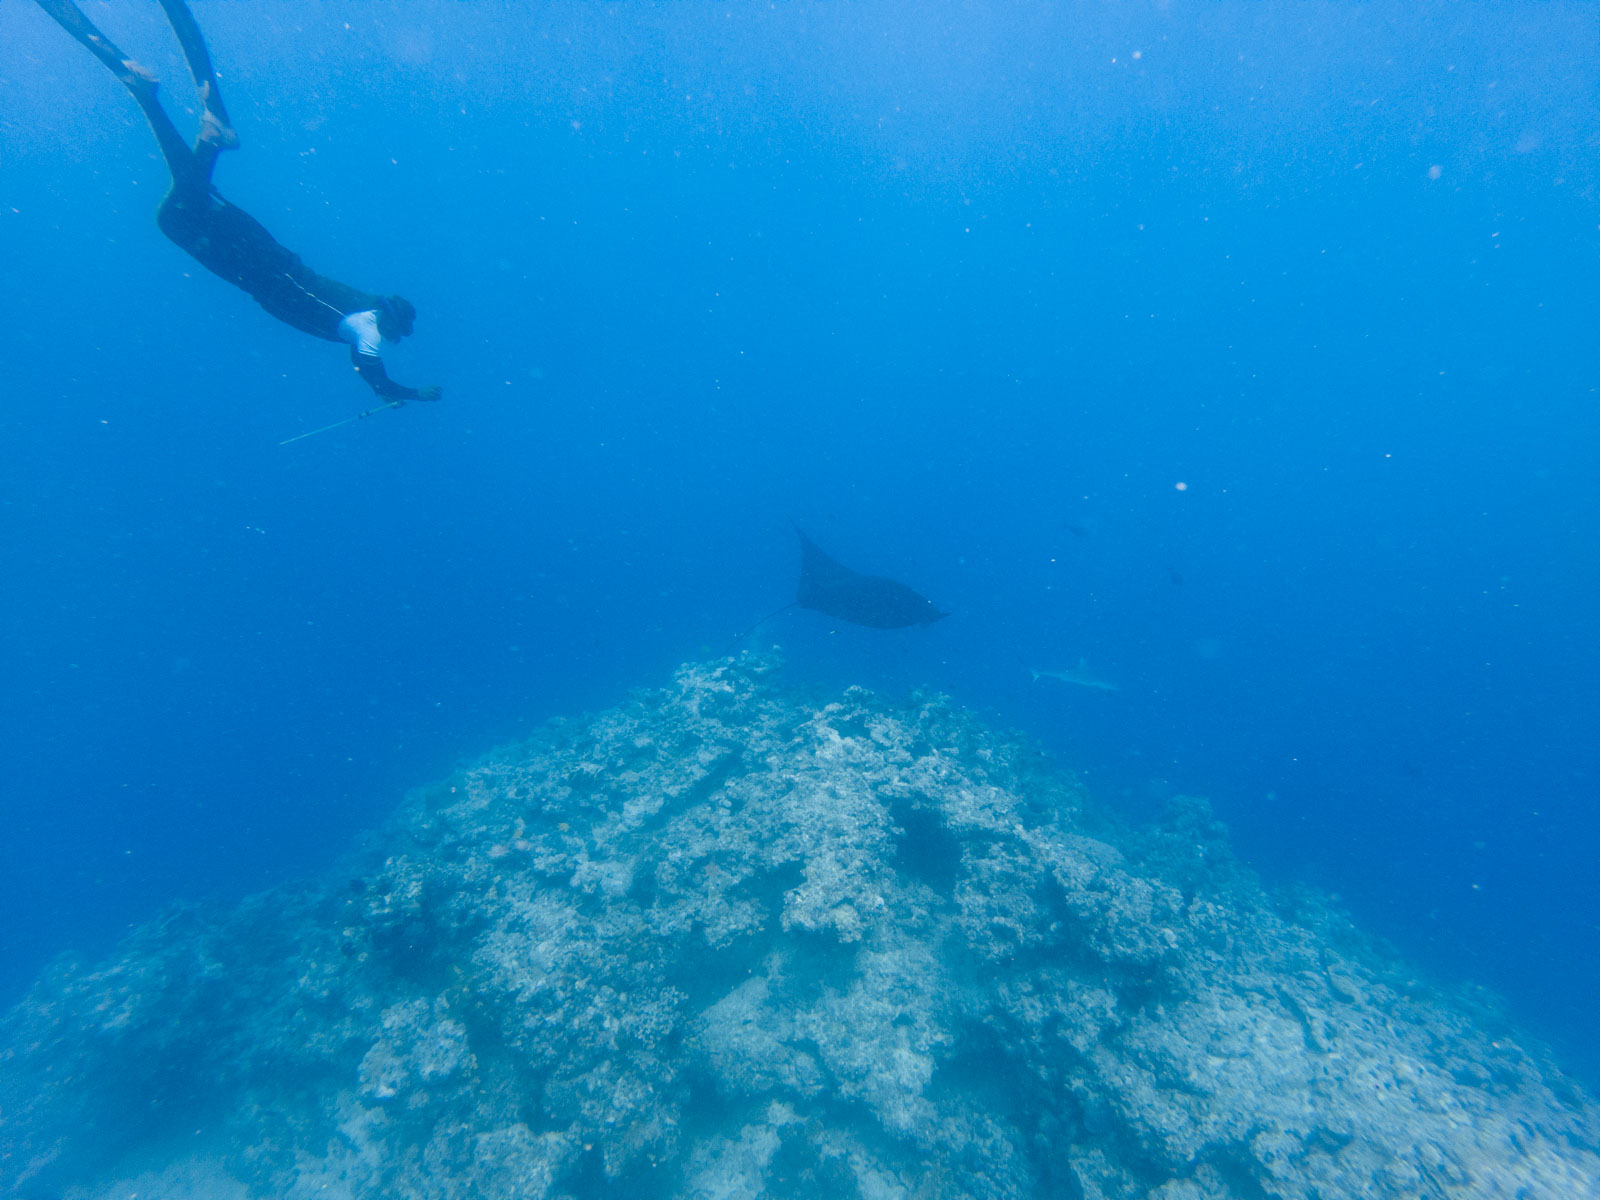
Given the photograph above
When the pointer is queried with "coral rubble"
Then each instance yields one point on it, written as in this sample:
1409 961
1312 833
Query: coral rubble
721 943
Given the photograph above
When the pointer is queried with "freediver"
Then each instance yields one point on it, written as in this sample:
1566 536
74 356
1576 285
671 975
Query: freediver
228 241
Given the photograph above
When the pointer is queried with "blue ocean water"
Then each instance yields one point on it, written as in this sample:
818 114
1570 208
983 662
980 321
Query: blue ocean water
1245 352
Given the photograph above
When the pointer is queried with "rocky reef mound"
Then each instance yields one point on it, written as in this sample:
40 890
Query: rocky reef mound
723 943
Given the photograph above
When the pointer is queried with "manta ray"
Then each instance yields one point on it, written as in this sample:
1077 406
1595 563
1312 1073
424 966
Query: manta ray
828 586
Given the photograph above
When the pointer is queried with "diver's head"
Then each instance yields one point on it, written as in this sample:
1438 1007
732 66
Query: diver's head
396 316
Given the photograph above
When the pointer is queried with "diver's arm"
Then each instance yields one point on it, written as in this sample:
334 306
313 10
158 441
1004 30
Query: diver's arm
370 368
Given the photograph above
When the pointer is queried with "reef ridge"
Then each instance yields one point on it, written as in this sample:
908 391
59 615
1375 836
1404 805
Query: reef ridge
724 942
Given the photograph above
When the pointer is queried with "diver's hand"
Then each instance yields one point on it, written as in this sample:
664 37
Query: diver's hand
430 393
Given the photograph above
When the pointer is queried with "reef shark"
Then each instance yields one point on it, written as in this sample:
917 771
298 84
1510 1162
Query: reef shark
1078 676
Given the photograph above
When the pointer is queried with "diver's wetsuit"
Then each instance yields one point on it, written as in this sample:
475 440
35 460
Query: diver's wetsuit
232 244
222 237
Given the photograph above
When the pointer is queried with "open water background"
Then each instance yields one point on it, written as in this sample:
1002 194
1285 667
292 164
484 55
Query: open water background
968 290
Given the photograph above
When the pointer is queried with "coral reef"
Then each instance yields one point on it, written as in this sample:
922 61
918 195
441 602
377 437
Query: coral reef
721 943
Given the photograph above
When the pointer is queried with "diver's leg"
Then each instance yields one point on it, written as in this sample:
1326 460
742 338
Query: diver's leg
216 131
140 82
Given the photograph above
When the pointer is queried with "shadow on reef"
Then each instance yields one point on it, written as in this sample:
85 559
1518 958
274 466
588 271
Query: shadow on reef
725 942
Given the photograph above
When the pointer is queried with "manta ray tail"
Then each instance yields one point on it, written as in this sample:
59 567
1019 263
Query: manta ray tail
739 637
